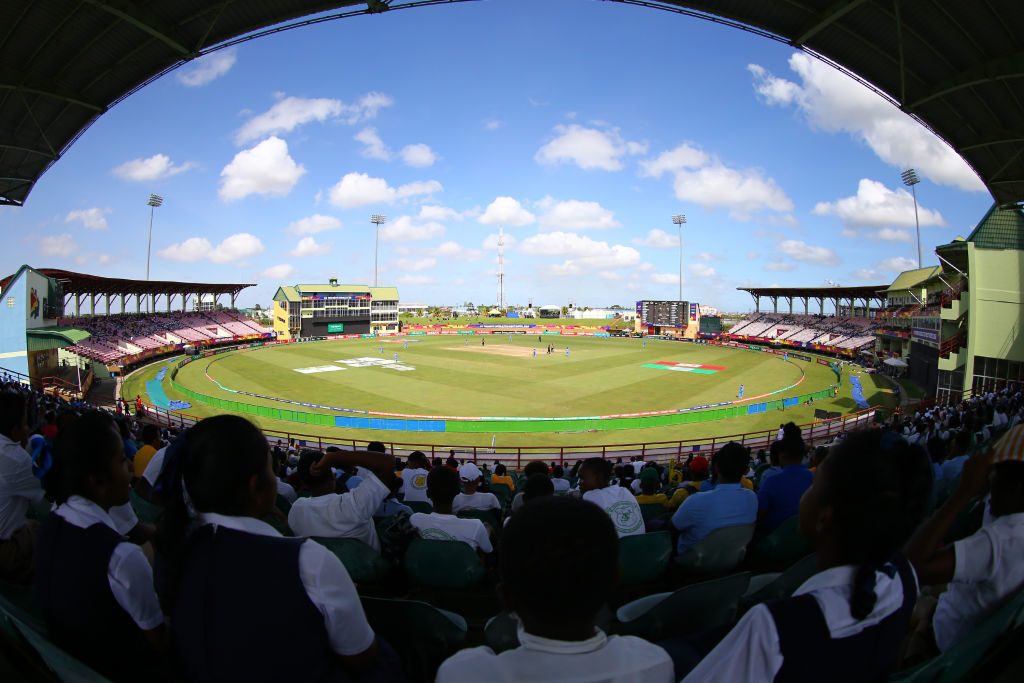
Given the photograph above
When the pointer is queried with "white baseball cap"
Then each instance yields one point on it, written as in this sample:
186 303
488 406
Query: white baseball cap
469 472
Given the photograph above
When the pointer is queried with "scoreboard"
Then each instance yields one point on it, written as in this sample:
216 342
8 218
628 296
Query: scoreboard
663 313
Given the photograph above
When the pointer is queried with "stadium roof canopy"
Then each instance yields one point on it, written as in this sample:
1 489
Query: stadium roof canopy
955 66
864 292
81 284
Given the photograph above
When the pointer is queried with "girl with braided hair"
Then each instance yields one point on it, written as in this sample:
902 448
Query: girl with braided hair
848 621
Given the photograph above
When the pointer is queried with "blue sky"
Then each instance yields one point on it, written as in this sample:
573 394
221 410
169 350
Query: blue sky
579 127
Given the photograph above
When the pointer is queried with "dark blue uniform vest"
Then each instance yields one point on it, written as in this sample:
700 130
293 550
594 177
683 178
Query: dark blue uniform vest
811 654
242 613
80 610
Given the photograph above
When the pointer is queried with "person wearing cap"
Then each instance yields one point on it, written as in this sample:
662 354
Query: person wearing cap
698 470
347 515
982 570
442 524
728 504
471 499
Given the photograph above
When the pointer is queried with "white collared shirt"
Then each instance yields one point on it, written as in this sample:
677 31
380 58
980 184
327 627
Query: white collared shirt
327 584
560 485
751 652
18 486
475 501
989 568
438 527
128 571
600 659
347 515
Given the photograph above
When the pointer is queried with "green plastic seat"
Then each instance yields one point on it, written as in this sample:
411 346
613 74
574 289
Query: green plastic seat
781 548
443 564
19 600
957 662
63 666
423 635
363 563
644 557
420 506
686 612
147 512
503 492
720 552
778 585
653 511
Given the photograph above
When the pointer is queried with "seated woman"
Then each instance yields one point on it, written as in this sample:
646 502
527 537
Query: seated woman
501 476
94 585
850 618
236 588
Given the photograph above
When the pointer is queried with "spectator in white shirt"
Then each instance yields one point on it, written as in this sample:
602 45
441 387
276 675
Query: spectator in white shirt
414 478
442 524
471 499
983 570
558 480
347 515
236 587
558 638
113 622
18 489
617 501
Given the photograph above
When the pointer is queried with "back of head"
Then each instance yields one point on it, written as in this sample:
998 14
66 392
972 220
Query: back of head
499 470
442 485
775 453
558 472
535 467
221 455
600 468
878 487
82 450
376 447
553 542
537 486
731 462
12 412
150 433
418 461
307 459
792 448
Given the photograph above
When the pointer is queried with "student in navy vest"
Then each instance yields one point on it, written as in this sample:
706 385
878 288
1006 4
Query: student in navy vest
246 603
94 585
848 621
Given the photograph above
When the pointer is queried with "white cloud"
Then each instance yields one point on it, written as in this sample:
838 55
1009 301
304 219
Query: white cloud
588 148
314 224
585 254
894 235
701 270
418 155
233 248
373 146
265 169
433 212
359 189
151 168
673 160
407 228
492 124
455 251
876 206
834 102
665 278
741 191
94 219
415 280
575 215
207 68
508 212
278 272
417 264
707 257
659 239
291 112
779 266
307 246
801 251
897 264
58 245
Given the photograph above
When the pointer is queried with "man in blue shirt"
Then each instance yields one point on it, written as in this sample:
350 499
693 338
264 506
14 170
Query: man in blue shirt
728 504
779 497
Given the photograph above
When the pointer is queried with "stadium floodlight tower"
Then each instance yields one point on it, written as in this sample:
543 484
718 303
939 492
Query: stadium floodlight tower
377 220
679 219
501 268
154 201
910 179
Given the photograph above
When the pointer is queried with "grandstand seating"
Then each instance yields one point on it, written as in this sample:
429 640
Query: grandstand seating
838 332
116 336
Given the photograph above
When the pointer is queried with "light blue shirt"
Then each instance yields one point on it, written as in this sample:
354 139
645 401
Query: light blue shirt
702 513
952 467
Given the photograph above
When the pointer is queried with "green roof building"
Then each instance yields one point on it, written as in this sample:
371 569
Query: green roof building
320 310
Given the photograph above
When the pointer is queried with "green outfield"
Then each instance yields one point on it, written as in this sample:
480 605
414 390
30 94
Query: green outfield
455 375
